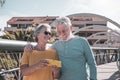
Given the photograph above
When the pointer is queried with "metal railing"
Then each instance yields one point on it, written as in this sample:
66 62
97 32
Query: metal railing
10 58
103 56
9 66
10 62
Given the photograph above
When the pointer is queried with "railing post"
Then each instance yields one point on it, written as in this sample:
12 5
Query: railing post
19 74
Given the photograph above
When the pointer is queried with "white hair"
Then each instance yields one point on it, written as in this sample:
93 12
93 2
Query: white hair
39 28
62 20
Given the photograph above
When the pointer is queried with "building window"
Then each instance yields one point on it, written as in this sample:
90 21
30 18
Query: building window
50 19
102 34
23 26
24 19
101 24
89 24
90 28
28 25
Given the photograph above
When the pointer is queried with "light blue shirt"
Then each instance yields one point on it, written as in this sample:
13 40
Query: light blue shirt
75 54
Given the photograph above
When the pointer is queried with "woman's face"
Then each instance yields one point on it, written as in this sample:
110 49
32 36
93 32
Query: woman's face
63 32
44 36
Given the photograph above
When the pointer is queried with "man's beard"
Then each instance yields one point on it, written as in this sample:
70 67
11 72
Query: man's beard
66 38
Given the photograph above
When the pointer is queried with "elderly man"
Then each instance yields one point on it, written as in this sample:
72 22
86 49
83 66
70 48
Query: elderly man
74 52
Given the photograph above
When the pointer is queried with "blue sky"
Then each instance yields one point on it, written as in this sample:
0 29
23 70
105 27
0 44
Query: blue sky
13 8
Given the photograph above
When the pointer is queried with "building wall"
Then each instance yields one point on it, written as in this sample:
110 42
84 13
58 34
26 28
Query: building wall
85 26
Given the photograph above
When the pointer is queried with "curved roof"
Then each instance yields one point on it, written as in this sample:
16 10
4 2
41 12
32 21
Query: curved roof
96 15
92 28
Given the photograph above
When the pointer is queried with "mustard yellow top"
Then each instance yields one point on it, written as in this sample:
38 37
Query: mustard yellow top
35 56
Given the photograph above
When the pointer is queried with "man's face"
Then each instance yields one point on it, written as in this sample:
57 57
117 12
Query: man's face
63 32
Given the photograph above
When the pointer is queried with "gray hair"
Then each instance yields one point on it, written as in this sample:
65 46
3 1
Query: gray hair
39 28
62 20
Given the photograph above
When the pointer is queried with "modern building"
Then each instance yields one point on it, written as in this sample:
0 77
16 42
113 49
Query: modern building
92 27
18 23
95 29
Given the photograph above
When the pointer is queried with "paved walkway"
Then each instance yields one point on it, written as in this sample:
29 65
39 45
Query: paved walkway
108 71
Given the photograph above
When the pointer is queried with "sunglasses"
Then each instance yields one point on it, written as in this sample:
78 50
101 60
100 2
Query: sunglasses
47 32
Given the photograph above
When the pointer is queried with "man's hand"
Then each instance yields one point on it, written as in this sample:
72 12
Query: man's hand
56 72
28 48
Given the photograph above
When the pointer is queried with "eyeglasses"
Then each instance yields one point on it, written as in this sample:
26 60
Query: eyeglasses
47 32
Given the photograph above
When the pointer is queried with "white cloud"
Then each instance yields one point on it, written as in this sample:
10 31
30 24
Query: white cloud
3 22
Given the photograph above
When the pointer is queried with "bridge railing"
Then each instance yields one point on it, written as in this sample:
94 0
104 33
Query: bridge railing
105 55
9 66
11 53
10 62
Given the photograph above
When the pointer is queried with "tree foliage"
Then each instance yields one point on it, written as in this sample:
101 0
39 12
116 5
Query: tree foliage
19 35
23 35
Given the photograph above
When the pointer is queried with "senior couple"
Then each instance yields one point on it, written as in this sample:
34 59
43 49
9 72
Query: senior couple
74 52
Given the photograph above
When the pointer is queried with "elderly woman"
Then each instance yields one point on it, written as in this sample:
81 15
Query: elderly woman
34 65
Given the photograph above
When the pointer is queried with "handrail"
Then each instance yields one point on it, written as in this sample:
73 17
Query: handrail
14 45
102 55
10 70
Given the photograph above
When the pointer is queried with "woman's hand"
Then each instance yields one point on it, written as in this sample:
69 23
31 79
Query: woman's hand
42 63
27 70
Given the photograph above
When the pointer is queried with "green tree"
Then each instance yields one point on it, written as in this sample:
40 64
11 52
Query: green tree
19 35
53 36
25 35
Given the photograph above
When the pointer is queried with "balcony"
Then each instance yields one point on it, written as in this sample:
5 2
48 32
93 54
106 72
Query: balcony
10 29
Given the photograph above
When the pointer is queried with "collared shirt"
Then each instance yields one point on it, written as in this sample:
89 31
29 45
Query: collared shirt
75 54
